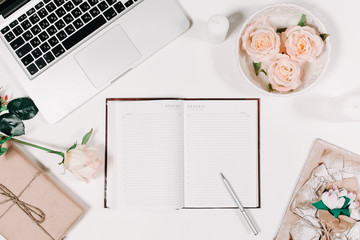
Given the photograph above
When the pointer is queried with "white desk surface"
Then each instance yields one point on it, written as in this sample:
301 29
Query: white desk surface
191 67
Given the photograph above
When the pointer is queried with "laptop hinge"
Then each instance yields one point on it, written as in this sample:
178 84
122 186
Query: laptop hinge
9 7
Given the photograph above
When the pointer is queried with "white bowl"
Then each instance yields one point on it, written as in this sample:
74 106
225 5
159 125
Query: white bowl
283 16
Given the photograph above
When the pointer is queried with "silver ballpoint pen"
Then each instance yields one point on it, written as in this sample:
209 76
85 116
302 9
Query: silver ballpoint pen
237 201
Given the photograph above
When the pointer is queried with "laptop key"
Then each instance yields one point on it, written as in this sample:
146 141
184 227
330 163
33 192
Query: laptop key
32 69
76 12
5 30
35 42
23 50
78 23
84 32
49 57
46 1
18 30
26 24
52 18
44 24
94 11
53 41
86 17
40 63
17 43
43 36
27 59
68 18
60 12
9 36
35 29
102 6
68 6
45 47
111 2
84 7
119 7
36 53
50 7
93 2
13 23
58 50
27 35
61 35
34 19
129 3
42 13
39 5
77 2
30 11
110 13
59 2
22 17
60 24
69 29
51 30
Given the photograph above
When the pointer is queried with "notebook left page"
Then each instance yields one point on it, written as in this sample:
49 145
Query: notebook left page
145 154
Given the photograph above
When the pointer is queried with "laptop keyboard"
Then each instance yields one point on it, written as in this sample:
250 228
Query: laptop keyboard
53 27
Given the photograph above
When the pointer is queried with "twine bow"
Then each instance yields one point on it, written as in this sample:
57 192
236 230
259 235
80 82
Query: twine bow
35 213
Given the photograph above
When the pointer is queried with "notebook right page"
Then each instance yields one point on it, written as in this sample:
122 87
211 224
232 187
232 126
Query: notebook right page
220 136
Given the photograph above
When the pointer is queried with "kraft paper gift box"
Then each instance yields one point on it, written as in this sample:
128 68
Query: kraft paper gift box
32 205
318 155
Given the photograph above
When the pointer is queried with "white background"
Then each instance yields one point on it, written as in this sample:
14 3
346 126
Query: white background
191 67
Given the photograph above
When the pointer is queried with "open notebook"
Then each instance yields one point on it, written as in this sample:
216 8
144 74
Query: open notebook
169 152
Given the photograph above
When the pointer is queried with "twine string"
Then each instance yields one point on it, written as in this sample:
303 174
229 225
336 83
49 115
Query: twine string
34 213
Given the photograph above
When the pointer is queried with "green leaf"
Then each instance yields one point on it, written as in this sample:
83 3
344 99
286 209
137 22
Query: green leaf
72 147
86 137
2 141
347 200
257 67
11 125
2 151
336 212
270 88
263 71
324 36
346 212
280 30
301 23
23 108
320 205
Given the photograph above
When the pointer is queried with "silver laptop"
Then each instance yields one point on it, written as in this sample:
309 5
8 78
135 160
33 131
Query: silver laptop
63 52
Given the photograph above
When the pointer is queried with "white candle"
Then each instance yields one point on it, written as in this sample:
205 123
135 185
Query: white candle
344 108
218 26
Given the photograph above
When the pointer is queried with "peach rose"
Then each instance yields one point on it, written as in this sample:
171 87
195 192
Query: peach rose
302 43
260 40
83 162
284 74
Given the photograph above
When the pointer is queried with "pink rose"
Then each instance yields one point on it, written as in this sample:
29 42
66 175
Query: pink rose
83 162
260 40
284 74
302 43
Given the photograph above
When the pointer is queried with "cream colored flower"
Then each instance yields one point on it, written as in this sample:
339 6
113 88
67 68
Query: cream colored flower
284 74
260 40
83 162
302 43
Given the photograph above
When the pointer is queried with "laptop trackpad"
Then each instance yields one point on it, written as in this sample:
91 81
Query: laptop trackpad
108 56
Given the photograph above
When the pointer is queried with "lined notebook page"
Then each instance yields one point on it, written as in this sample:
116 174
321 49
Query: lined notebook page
149 153
220 136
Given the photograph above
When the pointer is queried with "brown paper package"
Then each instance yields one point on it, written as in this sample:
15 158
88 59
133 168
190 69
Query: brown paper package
313 161
26 190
